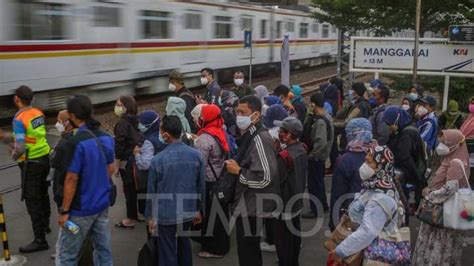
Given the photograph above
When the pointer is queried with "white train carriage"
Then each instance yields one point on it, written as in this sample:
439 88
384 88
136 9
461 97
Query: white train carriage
108 48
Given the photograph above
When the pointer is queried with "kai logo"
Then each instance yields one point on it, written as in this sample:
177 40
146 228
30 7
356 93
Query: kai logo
461 51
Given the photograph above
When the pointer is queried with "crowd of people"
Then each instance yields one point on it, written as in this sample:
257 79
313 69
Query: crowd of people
247 157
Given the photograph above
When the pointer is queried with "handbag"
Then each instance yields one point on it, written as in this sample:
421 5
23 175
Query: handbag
391 249
430 213
148 254
224 187
342 231
459 209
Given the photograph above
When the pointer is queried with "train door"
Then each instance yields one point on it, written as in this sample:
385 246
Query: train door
109 34
193 35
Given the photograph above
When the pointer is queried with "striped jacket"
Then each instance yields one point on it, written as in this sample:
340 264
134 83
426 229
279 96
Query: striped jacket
258 179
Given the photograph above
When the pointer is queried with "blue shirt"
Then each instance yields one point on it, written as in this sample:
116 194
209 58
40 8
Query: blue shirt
428 127
176 183
91 162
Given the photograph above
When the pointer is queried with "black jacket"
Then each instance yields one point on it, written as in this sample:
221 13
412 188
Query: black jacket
127 137
293 166
406 146
188 97
60 162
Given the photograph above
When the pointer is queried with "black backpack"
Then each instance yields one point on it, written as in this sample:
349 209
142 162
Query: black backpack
306 137
421 157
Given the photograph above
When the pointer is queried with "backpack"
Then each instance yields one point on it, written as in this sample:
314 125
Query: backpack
421 157
306 137
148 254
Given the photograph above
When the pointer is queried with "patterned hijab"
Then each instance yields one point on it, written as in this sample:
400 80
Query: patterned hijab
359 135
384 174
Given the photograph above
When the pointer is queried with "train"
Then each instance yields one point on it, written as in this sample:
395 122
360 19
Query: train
108 48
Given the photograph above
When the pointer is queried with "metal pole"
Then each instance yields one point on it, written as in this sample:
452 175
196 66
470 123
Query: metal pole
251 57
272 32
445 93
3 231
340 43
417 39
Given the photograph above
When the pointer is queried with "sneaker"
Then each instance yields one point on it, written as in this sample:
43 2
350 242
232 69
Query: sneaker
36 245
264 246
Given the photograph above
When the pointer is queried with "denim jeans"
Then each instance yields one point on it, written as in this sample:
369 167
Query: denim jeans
69 245
174 248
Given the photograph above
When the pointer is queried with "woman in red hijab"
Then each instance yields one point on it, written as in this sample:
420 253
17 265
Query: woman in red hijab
212 143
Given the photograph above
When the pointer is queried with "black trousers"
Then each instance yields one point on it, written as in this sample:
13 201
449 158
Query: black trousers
288 243
215 240
130 191
35 194
248 242
269 230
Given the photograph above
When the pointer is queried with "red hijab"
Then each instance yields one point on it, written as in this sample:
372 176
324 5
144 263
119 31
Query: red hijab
213 124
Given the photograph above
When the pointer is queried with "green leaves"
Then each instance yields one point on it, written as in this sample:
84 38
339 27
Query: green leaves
383 17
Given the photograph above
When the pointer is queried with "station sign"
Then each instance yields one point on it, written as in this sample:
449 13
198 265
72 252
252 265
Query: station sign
247 38
461 33
396 55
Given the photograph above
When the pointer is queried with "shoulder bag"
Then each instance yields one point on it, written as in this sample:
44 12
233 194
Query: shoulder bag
459 209
342 231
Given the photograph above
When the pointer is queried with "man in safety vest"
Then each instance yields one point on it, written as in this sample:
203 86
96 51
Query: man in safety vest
31 151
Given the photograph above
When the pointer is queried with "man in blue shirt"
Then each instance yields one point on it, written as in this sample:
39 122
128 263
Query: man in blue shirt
87 187
428 123
213 90
176 183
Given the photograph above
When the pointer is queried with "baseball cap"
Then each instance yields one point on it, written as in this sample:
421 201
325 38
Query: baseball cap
291 124
429 100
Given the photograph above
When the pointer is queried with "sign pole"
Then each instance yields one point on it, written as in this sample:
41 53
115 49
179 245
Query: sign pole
250 71
417 40
445 92
248 44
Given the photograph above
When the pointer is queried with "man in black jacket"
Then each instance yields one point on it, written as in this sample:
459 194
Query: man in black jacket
177 86
292 165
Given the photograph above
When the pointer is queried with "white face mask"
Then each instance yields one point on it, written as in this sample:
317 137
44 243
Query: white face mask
60 127
204 81
171 87
413 96
243 122
119 110
238 82
422 111
366 172
406 107
442 149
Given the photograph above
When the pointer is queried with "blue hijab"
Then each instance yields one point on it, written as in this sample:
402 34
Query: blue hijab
395 115
272 100
276 112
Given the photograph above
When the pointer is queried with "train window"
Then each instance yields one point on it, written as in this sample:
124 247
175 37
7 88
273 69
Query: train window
263 29
192 21
278 29
222 27
303 30
105 16
156 24
41 21
325 31
333 29
315 27
246 23
290 26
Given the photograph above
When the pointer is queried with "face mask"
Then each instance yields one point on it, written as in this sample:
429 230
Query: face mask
366 172
142 128
372 102
238 82
350 95
471 108
413 96
243 122
406 107
119 110
204 81
60 127
283 146
442 149
160 138
422 111
171 87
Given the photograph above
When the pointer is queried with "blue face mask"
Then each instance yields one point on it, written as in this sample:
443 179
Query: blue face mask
142 128
372 102
413 96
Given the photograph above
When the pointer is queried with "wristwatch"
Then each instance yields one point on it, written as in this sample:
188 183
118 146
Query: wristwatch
63 211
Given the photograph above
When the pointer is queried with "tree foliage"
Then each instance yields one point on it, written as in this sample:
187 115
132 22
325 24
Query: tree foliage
386 16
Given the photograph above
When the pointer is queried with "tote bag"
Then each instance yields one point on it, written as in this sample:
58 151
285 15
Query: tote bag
459 210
